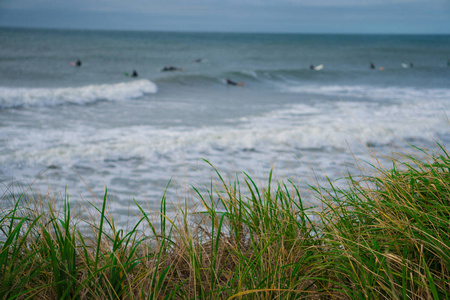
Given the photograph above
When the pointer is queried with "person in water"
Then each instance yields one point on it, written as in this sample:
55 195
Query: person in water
134 74
78 63
311 67
372 66
411 65
231 82
171 68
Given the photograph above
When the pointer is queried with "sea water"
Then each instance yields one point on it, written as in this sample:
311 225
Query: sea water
91 127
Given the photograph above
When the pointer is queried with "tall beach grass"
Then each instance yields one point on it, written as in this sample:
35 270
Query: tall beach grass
383 235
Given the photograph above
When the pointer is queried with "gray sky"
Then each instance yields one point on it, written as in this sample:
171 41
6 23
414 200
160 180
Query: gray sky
302 16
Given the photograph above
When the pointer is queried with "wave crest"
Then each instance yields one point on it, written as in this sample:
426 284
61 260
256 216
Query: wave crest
368 92
25 97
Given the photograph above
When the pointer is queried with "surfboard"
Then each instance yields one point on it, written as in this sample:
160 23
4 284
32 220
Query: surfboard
318 68
72 64
126 74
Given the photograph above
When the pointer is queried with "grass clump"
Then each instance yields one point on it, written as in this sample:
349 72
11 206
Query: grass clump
390 233
383 236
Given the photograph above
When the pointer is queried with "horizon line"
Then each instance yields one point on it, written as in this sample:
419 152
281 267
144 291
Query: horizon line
211 32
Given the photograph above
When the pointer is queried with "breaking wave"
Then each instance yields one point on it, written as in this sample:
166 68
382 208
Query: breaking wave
37 97
370 92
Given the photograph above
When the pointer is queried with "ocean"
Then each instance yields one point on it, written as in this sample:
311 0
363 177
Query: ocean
90 127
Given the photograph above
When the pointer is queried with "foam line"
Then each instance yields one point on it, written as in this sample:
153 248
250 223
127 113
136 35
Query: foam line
25 97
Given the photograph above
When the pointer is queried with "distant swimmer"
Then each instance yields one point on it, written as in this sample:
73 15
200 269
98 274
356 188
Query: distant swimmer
411 65
133 74
75 64
318 68
448 63
198 60
171 68
231 82
372 66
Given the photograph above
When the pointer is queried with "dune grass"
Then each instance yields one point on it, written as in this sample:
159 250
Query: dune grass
385 235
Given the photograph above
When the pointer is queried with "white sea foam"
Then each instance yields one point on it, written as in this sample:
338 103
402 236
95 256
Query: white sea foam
19 97
337 125
371 92
289 139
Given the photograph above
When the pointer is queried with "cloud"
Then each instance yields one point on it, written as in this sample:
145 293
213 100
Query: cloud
345 16
337 3
111 4
166 6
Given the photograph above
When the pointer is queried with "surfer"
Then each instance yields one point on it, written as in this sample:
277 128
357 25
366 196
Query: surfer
411 65
134 74
78 63
311 67
171 68
372 66
198 60
231 82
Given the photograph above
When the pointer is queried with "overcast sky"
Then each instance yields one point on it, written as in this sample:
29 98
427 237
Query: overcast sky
298 16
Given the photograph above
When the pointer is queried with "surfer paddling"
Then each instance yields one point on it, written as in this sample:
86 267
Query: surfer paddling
318 68
231 82
171 69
